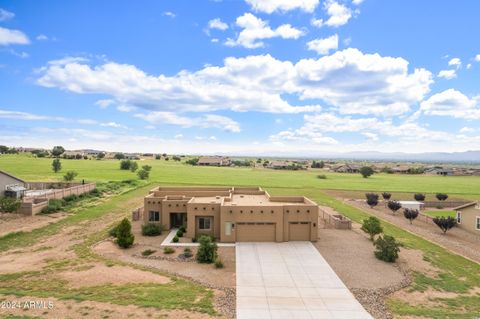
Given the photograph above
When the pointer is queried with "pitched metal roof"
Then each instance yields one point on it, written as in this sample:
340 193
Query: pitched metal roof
10 175
465 206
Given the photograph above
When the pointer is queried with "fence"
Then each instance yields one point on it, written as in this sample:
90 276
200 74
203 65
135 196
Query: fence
32 206
445 204
78 189
338 221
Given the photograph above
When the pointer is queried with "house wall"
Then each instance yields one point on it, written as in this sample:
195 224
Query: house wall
8 180
468 220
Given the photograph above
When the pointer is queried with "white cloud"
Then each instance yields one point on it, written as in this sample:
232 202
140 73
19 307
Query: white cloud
269 6
339 13
205 121
316 22
10 36
126 108
371 136
447 74
455 62
350 81
214 40
217 24
452 103
15 115
6 15
178 136
169 14
113 124
477 58
41 37
256 29
469 66
324 46
104 103
357 2
467 130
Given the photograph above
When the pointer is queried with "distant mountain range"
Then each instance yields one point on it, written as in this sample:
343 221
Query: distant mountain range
464 157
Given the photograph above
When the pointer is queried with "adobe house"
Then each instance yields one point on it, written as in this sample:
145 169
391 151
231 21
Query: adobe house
468 217
11 186
233 214
213 161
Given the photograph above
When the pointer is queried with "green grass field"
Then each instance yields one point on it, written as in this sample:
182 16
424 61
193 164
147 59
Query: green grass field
458 275
440 213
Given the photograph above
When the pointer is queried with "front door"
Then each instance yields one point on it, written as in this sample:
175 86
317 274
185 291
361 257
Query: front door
178 219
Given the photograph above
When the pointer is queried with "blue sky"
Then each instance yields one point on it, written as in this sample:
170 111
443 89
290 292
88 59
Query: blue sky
284 77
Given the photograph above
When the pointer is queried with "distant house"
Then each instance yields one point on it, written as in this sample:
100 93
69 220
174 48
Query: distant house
439 171
346 168
401 169
11 186
214 161
412 204
468 217
278 165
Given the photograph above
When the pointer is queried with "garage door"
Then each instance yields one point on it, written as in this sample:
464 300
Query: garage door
299 231
255 231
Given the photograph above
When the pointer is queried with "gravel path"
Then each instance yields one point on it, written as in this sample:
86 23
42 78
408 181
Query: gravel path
456 240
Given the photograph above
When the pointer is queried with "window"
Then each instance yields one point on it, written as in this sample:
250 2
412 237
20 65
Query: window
204 223
153 216
478 223
459 217
228 228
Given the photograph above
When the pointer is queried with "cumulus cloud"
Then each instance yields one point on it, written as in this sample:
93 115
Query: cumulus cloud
452 103
217 24
270 6
205 121
447 74
6 15
255 30
317 22
41 37
169 14
104 103
357 2
477 58
339 13
10 36
324 46
455 62
348 80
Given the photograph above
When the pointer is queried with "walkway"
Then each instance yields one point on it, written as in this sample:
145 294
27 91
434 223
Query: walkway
290 280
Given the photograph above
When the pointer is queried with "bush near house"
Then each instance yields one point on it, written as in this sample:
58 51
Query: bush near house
372 227
372 199
125 237
419 197
207 251
410 214
387 248
393 205
218 263
9 205
175 239
386 196
445 223
54 205
148 252
168 250
179 233
151 229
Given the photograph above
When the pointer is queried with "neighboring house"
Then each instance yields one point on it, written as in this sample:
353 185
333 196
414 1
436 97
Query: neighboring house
233 214
412 204
346 168
439 171
468 217
401 169
214 161
11 186
278 165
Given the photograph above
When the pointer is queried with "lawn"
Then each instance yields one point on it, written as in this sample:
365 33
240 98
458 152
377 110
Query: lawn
440 213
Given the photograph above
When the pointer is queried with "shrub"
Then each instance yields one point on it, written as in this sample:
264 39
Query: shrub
113 231
386 196
9 205
322 176
133 166
179 233
148 168
183 228
151 229
187 252
387 248
56 165
143 174
168 250
218 263
125 237
207 251
175 239
194 239
366 171
54 205
393 205
95 192
445 223
148 252
372 227
192 161
372 199
441 196
410 214
419 196
70 198
70 176
125 164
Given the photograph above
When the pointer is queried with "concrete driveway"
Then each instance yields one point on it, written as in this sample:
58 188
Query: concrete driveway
290 280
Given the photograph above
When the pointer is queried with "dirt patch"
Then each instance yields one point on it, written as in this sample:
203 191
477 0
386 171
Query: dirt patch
101 274
413 260
92 309
16 222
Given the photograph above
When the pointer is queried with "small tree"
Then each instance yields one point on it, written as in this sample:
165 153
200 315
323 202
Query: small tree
125 237
410 214
133 166
56 165
147 168
372 227
372 199
119 156
366 171
441 196
207 251
143 174
386 196
419 196
387 248
70 176
9 205
57 151
393 205
125 164
101 155
445 223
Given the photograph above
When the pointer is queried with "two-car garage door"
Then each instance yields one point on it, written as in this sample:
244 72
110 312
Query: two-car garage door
255 231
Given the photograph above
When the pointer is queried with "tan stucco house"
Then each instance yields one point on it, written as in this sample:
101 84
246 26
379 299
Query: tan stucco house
233 214
468 217
214 161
